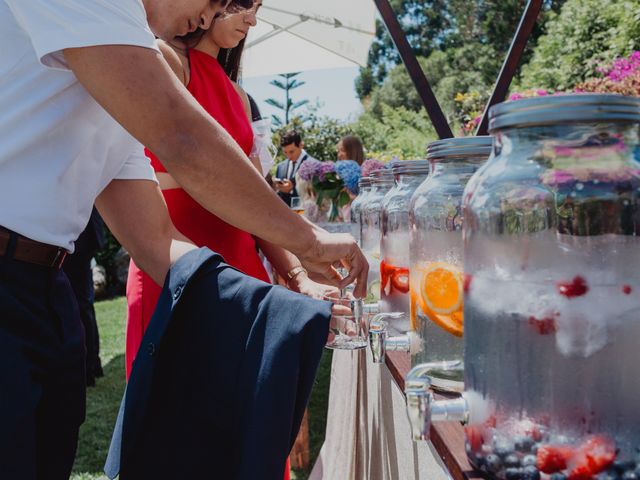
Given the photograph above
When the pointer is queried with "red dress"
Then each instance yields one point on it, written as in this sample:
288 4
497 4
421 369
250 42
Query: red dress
214 91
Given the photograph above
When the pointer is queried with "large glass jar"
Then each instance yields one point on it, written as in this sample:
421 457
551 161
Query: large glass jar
552 308
394 246
435 250
381 182
364 187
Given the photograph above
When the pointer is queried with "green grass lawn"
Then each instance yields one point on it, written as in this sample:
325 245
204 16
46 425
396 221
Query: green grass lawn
103 400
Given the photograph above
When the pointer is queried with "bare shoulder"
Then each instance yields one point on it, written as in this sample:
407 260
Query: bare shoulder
244 97
178 62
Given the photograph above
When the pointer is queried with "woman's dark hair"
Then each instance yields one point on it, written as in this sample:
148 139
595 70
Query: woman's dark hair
353 147
229 59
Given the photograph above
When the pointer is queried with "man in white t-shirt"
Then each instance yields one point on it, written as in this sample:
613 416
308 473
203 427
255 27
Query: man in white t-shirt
63 65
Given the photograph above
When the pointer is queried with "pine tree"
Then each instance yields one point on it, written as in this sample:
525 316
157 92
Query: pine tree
287 84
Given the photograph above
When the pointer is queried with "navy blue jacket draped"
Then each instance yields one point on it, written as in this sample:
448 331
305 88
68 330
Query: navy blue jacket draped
222 377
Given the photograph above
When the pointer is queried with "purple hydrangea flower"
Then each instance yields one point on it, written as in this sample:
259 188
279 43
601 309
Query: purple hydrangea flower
349 172
371 165
309 169
325 168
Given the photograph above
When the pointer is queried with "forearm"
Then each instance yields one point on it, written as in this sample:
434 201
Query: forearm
145 230
195 149
282 260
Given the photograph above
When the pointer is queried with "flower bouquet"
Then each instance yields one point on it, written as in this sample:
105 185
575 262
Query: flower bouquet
331 181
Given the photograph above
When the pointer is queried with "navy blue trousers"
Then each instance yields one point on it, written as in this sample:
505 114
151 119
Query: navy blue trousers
42 376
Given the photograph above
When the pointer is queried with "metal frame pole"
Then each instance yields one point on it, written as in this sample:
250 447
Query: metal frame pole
528 21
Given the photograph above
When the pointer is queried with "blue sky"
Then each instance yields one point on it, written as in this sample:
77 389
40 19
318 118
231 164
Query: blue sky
333 88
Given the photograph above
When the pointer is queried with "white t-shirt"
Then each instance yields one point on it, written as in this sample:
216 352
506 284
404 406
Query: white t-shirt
58 148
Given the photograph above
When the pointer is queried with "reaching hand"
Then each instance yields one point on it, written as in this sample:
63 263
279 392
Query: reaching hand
337 249
303 284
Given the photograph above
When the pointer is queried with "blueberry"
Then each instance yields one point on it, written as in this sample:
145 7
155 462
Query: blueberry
493 462
530 473
609 475
478 460
558 476
529 460
511 461
503 449
513 474
534 449
524 443
622 466
629 475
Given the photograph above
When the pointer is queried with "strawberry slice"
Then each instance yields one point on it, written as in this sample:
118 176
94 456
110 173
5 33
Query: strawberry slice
594 456
400 280
553 458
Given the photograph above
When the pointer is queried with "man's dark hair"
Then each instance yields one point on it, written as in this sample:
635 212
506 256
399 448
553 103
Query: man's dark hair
291 137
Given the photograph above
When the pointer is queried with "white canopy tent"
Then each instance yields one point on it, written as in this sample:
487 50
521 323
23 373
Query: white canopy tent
301 35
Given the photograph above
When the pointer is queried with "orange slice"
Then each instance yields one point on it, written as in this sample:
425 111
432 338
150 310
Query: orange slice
441 296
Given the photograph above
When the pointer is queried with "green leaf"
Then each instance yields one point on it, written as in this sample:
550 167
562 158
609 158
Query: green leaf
344 199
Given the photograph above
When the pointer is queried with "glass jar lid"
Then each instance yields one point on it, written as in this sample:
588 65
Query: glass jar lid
573 108
364 182
462 147
383 176
410 167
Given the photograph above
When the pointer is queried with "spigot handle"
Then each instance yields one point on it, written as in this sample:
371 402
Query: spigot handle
423 409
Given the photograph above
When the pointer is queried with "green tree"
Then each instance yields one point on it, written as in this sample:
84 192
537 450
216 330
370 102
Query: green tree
585 34
287 85
425 23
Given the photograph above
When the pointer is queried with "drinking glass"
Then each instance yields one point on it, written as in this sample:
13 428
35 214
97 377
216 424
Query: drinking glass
347 329
297 205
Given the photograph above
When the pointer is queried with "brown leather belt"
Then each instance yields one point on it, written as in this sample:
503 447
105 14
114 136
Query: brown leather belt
30 251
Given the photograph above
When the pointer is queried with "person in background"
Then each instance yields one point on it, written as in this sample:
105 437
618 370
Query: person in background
350 148
285 179
77 266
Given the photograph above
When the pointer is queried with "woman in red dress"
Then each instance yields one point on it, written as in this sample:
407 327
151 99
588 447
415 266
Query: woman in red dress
205 71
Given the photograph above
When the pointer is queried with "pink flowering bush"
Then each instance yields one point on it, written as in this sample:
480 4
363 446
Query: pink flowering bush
622 76
371 165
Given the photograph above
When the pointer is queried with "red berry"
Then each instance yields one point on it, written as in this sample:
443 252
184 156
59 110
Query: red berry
575 288
467 282
491 422
594 456
544 326
475 437
627 289
553 458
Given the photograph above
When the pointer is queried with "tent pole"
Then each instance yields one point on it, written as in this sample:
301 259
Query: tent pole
527 22
415 71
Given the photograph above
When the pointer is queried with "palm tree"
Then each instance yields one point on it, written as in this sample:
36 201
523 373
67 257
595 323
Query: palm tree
288 83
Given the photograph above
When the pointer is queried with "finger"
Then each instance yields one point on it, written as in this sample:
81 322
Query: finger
358 273
331 293
340 310
333 276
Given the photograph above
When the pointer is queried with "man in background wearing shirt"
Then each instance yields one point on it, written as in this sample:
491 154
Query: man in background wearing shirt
82 86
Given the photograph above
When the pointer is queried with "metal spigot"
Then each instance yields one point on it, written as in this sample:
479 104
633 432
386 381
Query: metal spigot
423 408
380 342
